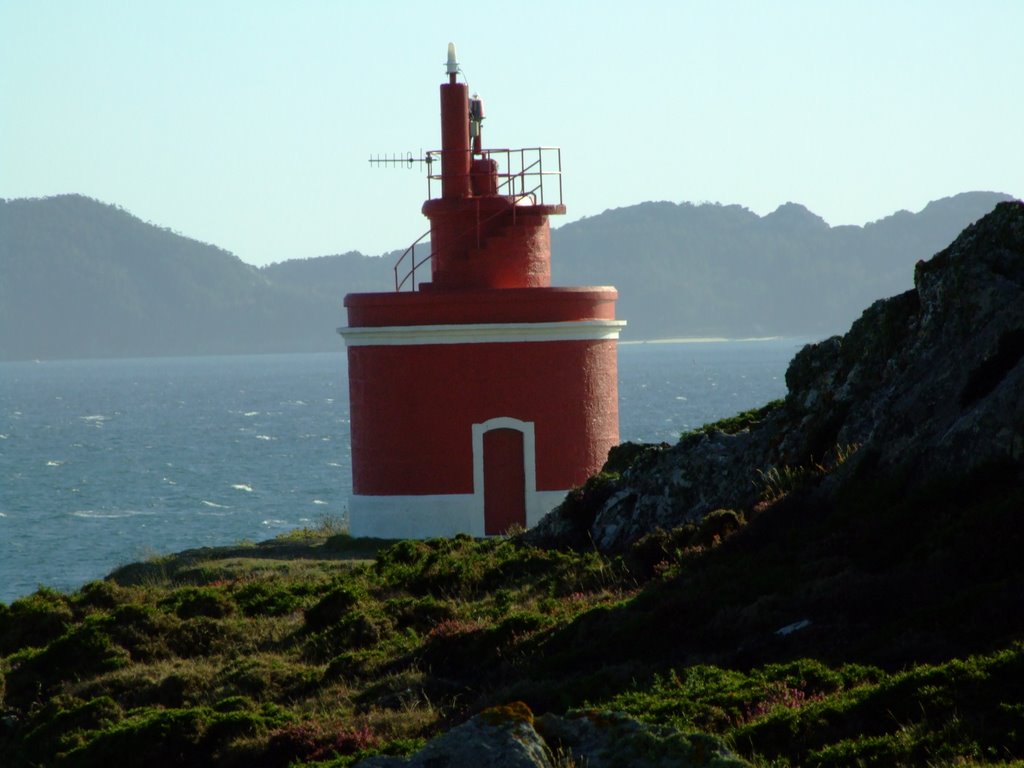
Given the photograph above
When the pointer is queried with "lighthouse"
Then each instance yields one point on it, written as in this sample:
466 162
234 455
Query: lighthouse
481 395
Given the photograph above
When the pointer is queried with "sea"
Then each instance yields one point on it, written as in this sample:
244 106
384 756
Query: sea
107 462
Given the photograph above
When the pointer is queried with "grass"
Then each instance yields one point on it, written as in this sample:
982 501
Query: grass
318 649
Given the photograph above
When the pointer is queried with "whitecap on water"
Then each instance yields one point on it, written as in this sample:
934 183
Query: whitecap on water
273 523
215 505
264 437
319 501
251 413
242 487
90 514
53 463
333 464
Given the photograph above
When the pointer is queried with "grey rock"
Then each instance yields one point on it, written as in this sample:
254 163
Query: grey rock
612 740
924 386
500 738
508 737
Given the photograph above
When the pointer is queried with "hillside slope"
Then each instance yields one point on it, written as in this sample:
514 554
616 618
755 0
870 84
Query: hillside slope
79 278
713 270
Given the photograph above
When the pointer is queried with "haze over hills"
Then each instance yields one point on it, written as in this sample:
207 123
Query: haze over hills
80 278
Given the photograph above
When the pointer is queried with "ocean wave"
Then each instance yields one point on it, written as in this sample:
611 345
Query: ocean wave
215 505
91 514
3 514
4 437
274 523
242 487
319 502
99 417
251 413
265 437
333 464
55 463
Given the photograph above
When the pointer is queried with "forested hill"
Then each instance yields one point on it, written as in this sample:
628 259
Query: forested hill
79 278
716 270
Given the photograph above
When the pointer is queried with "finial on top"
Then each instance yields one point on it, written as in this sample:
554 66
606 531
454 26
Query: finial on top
452 65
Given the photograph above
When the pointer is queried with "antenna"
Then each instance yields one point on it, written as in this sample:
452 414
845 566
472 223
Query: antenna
399 159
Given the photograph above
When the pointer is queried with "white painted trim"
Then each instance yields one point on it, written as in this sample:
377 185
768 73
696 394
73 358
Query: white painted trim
482 333
415 517
529 462
424 517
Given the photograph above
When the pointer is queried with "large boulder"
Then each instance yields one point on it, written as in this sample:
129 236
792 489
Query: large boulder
509 737
926 385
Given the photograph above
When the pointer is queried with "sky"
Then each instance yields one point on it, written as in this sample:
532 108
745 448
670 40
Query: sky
249 124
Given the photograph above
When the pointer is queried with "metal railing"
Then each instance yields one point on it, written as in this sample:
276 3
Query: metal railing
410 253
532 174
521 172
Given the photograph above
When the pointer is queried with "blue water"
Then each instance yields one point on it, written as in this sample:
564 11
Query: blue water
104 462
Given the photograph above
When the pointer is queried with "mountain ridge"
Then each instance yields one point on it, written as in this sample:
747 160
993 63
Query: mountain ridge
82 278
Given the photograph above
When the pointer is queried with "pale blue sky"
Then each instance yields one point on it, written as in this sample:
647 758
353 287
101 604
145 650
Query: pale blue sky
248 124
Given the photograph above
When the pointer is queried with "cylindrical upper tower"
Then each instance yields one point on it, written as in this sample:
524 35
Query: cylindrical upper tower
487 230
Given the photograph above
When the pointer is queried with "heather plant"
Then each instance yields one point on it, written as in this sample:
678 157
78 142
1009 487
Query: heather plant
324 659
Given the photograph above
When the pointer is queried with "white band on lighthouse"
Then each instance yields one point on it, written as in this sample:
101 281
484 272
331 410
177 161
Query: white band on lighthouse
482 333
422 517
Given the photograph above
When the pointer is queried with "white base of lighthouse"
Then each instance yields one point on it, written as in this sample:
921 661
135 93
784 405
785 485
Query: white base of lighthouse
422 517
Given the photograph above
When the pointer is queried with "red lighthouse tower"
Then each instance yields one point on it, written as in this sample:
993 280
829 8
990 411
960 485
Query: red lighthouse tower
480 397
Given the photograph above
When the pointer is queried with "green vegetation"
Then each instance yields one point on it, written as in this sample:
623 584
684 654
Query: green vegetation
804 636
743 420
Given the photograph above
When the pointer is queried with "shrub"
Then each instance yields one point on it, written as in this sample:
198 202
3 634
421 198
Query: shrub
741 421
141 630
718 525
582 503
419 613
190 602
151 738
101 595
262 598
34 621
84 651
265 677
62 724
356 629
203 636
331 608
659 548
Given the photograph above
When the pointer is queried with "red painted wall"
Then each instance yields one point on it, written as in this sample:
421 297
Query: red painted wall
412 408
513 305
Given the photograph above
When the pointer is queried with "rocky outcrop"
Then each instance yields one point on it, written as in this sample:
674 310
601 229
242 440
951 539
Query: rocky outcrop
925 385
509 737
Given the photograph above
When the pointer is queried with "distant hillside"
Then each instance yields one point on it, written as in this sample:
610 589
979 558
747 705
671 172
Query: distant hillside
714 270
79 278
